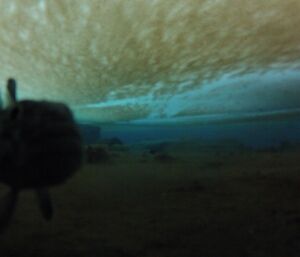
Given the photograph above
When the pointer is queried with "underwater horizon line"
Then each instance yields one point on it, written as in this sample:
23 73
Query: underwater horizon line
205 119
224 118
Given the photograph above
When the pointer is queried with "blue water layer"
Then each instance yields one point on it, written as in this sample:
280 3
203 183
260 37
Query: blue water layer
254 134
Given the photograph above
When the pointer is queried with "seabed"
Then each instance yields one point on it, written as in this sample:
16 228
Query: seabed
180 203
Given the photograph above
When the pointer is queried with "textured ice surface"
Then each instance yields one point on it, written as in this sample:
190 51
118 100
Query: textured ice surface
157 60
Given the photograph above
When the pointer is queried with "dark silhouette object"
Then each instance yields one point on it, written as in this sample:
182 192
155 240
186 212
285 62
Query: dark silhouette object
158 148
194 187
97 154
12 89
286 146
113 141
40 146
163 158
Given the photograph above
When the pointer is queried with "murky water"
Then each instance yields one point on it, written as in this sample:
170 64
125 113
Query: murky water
191 118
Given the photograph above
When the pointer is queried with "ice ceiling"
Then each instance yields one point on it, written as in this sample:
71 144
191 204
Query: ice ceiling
155 60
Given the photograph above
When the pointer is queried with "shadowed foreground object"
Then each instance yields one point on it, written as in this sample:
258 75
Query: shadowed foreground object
40 147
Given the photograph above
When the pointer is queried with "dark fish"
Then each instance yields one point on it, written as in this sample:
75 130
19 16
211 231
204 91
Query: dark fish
40 146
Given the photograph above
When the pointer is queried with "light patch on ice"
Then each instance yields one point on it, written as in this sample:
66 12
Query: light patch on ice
24 35
229 97
252 92
111 99
42 5
85 9
104 60
11 8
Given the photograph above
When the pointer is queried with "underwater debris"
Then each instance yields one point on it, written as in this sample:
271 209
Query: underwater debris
158 148
164 158
154 151
115 145
41 146
286 146
113 141
97 154
195 187
283 147
144 157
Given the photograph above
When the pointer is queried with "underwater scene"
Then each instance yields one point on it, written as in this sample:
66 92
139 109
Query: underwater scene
150 128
